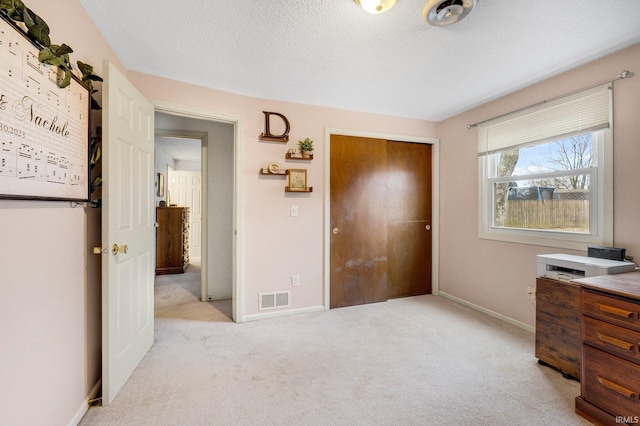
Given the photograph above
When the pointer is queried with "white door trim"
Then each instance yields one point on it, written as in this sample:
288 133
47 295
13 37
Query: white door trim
435 218
203 114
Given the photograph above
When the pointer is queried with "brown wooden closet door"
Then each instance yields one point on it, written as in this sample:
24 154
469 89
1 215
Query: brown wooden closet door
358 260
409 219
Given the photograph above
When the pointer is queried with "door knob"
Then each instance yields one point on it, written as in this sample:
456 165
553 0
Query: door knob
428 227
335 231
119 249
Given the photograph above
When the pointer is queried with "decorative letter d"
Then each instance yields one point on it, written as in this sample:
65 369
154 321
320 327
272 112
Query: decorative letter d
267 136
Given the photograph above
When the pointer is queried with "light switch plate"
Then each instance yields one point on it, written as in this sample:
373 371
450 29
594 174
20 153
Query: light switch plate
294 211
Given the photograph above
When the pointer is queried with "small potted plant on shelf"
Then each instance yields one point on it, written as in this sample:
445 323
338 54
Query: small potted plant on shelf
306 147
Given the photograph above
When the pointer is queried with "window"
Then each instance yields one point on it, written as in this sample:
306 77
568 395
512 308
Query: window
545 173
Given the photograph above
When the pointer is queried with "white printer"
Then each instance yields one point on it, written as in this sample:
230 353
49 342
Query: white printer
568 267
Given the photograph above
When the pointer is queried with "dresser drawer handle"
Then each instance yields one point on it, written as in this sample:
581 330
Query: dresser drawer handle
616 311
617 342
617 388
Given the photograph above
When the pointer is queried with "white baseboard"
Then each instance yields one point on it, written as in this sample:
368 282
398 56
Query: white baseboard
489 312
79 414
284 313
85 404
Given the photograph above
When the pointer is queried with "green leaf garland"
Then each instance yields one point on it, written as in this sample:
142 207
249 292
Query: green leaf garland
51 54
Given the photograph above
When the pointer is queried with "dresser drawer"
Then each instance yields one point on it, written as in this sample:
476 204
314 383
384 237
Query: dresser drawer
612 338
611 309
610 383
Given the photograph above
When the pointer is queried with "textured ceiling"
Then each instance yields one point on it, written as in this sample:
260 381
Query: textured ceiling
180 149
333 53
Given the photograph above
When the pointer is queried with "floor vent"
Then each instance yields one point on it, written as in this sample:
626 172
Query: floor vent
279 299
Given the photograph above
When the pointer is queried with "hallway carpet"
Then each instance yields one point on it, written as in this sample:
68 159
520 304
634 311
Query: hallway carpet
177 296
414 361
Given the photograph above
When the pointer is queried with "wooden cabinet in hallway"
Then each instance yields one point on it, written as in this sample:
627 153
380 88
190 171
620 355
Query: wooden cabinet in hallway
172 240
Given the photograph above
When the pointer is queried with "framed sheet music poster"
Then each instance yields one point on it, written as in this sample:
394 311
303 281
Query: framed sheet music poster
44 130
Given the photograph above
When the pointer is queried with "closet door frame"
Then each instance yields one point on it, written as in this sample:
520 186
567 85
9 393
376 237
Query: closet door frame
435 200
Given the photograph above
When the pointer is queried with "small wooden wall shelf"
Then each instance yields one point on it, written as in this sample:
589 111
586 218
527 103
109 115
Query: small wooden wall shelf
283 139
309 189
266 172
291 157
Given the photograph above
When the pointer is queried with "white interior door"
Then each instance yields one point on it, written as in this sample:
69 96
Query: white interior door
127 222
186 191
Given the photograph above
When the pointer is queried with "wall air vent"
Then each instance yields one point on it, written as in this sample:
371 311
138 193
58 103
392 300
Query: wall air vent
279 299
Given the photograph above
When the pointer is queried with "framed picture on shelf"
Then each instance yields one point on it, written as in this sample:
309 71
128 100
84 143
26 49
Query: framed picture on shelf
298 180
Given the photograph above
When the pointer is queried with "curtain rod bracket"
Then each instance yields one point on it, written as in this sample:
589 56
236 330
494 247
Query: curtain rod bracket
624 74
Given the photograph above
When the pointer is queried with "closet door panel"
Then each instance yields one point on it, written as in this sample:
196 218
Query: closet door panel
409 183
358 259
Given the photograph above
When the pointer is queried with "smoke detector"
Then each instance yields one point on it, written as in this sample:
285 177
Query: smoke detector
446 12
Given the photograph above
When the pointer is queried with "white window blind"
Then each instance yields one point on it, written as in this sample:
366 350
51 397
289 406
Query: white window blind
584 111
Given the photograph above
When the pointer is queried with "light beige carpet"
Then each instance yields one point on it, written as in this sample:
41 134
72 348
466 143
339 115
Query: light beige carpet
177 296
415 361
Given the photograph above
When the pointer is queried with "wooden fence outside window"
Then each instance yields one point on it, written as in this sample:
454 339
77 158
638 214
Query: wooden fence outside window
556 215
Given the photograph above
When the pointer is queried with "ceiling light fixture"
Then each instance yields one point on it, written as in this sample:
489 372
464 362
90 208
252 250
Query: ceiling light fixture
376 6
446 12
435 12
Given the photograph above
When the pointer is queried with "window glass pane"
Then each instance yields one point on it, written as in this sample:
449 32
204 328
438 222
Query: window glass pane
558 204
571 153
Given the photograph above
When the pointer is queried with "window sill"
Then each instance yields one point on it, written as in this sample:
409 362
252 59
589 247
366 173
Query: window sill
541 238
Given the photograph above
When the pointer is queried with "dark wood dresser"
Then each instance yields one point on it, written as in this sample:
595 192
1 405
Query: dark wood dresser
558 342
610 385
172 240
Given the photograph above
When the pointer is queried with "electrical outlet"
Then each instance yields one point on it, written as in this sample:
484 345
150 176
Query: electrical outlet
295 280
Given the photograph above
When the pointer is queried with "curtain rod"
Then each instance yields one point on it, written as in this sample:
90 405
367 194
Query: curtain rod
624 74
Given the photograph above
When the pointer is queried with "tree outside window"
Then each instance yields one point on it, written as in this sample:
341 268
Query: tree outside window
550 184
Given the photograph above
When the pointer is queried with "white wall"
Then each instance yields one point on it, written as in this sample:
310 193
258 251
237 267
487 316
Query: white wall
188 166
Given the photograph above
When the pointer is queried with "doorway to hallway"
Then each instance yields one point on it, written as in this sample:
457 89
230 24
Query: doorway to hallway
212 214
